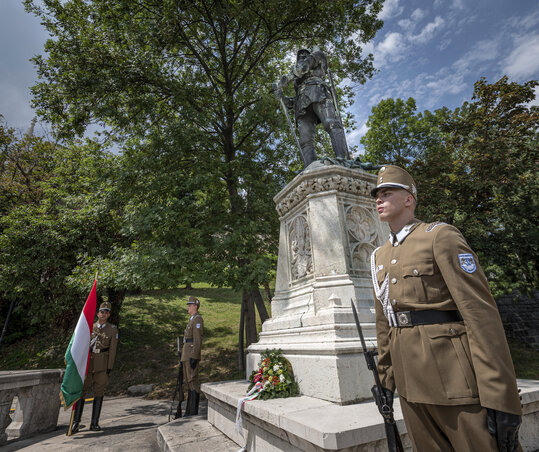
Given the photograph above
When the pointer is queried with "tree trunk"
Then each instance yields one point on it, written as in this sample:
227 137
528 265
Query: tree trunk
116 298
188 285
250 317
267 291
260 306
241 356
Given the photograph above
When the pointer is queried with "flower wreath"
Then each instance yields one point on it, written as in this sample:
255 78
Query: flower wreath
274 377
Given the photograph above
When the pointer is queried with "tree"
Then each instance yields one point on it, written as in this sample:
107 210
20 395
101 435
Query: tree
494 138
55 211
393 135
475 167
190 80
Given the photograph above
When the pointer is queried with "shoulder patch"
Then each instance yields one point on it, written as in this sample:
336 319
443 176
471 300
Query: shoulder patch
467 262
431 226
198 325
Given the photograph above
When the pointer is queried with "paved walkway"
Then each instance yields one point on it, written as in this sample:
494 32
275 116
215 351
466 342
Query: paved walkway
128 424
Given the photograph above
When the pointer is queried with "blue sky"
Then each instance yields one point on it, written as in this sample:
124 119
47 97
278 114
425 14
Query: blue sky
433 51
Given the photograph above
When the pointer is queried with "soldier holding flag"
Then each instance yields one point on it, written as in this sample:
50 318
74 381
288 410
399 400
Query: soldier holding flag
103 343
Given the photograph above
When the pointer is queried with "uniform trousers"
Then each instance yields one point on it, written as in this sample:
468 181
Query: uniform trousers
191 377
447 428
96 380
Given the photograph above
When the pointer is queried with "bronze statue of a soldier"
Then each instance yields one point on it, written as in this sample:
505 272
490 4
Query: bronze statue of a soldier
313 104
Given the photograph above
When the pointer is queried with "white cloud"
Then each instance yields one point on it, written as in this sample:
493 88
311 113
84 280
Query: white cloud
523 61
390 9
428 32
391 49
457 4
418 14
536 100
486 50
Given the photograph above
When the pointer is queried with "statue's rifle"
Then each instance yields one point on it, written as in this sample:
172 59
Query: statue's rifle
179 385
337 110
394 443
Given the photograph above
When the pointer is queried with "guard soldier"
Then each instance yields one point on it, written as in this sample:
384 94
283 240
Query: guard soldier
440 337
192 344
103 343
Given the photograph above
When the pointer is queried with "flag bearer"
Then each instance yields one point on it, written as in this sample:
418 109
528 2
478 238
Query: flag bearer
441 341
103 343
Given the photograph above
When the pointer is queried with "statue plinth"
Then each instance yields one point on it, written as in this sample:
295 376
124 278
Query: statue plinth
329 228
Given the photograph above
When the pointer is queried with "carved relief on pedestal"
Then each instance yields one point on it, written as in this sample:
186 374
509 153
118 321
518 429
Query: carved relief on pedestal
299 247
337 182
362 235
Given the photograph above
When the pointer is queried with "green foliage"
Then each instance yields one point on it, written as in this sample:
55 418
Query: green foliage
476 168
186 88
56 210
275 376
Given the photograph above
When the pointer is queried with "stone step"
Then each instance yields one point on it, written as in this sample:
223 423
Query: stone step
193 434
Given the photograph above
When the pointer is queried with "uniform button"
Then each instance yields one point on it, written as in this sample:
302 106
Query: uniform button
415 272
381 179
393 261
396 244
393 302
452 331
394 281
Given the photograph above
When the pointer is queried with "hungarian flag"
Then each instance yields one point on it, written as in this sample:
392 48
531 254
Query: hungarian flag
78 353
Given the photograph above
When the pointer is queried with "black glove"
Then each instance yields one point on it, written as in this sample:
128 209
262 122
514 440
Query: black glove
193 362
389 400
108 371
505 427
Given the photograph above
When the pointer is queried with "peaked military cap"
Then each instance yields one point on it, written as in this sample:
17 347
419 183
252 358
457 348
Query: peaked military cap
194 300
394 176
105 305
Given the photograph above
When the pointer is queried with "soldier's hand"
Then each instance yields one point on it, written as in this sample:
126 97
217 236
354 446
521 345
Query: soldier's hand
505 427
193 363
384 409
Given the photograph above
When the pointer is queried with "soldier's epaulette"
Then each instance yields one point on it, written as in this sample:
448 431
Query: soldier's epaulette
431 226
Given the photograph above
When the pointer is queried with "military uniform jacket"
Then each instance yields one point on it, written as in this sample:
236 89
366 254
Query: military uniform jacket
105 337
193 338
454 363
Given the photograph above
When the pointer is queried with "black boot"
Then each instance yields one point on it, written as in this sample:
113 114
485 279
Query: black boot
196 399
78 414
96 411
188 404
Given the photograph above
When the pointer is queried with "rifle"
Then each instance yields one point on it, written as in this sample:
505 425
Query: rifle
179 385
394 443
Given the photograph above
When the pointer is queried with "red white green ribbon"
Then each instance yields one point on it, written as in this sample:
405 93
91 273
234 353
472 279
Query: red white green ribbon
251 395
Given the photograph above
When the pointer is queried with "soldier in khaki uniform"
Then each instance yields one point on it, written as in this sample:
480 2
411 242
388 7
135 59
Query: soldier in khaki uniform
440 337
103 343
192 343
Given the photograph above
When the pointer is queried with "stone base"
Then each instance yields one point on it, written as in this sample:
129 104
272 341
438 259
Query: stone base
313 425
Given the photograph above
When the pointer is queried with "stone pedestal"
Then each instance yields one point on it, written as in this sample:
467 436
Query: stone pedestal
329 228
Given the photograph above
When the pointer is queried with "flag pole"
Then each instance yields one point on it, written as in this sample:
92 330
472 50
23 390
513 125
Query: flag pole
72 418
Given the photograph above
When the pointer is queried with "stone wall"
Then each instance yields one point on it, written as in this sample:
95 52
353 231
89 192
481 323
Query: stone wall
520 317
37 402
